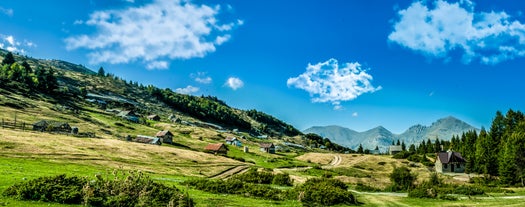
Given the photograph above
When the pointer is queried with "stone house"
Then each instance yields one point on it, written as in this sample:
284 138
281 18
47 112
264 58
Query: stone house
450 161
267 147
166 136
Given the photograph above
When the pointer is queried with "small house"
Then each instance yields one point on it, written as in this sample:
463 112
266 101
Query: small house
40 125
394 149
129 115
147 140
267 147
219 148
166 136
233 141
52 126
154 117
449 162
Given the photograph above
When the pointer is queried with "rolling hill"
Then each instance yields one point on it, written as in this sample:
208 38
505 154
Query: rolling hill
79 88
443 129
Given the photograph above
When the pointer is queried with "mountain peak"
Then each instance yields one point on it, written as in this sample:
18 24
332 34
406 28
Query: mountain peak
442 128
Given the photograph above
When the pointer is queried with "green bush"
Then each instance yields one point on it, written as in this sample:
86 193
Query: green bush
58 189
402 155
402 179
133 189
322 192
282 179
253 176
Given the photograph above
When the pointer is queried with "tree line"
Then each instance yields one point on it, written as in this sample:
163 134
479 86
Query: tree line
498 153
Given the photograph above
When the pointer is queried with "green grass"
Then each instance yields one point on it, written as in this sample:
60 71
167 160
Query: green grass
270 161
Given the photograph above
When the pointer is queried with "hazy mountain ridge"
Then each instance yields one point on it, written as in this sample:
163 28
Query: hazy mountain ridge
443 129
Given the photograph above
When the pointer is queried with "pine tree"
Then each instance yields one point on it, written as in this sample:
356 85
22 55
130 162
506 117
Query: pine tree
101 72
412 148
360 149
398 143
9 59
403 146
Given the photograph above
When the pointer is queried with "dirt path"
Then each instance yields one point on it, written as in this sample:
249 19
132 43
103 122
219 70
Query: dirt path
232 171
335 162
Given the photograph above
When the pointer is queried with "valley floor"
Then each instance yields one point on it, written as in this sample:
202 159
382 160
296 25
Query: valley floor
26 155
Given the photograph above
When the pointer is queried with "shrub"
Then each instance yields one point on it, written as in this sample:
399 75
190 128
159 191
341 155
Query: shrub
402 155
253 176
323 192
135 189
402 179
423 191
282 179
59 189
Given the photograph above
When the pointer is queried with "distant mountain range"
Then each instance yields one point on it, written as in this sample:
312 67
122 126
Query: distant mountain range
443 129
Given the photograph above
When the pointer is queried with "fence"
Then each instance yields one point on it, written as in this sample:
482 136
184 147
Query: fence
15 125
6 124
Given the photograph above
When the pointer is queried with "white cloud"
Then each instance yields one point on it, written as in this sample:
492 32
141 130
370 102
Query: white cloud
157 65
437 30
8 12
330 82
355 114
201 77
188 90
10 39
234 83
163 29
9 43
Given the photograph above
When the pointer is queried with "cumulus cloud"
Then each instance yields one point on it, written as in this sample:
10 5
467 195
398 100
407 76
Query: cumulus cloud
437 28
234 83
201 77
157 65
9 43
187 90
330 82
163 29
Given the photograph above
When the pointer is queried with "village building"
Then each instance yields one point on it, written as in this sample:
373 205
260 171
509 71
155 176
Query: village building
219 148
154 117
267 147
52 126
129 115
147 140
166 136
450 162
394 149
233 141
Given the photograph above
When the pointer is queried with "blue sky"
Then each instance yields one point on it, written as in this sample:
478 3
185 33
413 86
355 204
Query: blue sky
358 64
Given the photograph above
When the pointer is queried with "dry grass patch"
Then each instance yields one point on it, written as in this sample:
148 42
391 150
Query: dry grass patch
319 158
112 153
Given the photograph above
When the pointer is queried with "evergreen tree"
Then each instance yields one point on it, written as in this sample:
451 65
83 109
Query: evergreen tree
101 72
360 149
377 147
437 145
403 146
398 143
412 148
9 59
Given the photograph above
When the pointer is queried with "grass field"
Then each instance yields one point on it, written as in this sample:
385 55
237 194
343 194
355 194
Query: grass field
27 155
